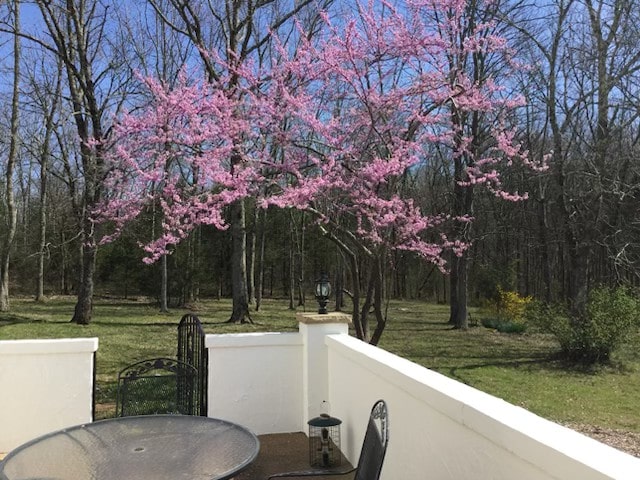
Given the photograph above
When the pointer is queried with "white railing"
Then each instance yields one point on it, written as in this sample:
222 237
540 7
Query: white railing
274 382
439 428
45 385
453 431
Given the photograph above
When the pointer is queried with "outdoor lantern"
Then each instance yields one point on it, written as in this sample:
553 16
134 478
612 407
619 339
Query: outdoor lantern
324 441
323 290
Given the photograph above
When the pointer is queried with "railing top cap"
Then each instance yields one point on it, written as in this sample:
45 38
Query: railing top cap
322 318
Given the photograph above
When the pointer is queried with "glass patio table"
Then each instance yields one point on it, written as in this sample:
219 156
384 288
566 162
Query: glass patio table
152 447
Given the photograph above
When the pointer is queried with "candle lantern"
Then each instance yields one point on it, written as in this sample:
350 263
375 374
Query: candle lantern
324 441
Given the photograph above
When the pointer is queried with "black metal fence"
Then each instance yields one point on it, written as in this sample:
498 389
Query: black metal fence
191 350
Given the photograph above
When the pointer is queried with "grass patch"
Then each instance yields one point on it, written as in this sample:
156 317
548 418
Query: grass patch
523 369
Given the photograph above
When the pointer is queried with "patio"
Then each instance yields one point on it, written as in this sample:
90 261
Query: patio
273 383
281 452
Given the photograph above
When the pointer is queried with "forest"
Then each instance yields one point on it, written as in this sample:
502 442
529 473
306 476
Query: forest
437 150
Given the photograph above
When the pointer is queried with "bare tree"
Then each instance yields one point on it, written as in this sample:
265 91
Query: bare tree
44 92
77 34
74 35
11 211
586 76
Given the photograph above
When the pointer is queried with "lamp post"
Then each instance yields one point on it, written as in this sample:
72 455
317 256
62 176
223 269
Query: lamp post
323 290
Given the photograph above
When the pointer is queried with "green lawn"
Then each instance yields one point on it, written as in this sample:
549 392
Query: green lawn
522 369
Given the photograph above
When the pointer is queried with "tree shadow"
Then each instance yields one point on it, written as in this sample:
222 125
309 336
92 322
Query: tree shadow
549 362
7 319
134 324
544 362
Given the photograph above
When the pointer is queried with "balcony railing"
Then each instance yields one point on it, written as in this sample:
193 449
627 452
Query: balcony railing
276 382
439 428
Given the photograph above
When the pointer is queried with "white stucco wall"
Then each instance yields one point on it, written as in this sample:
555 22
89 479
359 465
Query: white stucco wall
45 385
442 429
439 428
255 379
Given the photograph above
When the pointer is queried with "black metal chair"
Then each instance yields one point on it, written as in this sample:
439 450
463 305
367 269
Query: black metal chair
374 448
156 386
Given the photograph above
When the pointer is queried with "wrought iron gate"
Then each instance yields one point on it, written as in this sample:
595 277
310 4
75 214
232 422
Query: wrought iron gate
191 350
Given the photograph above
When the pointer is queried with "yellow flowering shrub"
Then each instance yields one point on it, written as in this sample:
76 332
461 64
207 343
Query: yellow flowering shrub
511 305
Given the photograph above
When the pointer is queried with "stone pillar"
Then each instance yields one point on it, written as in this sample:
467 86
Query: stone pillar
314 328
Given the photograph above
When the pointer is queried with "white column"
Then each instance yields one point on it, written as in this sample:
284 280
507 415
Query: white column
45 385
314 328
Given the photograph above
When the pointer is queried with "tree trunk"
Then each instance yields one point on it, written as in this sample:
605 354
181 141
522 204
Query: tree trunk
44 161
164 308
84 307
64 258
355 297
366 305
251 260
458 289
240 313
378 294
301 260
260 260
190 288
463 205
579 256
351 259
339 283
292 268
543 231
43 223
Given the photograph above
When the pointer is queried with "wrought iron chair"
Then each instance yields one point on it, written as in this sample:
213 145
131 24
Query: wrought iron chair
156 386
374 448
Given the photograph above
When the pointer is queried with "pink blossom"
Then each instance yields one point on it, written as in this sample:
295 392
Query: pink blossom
333 129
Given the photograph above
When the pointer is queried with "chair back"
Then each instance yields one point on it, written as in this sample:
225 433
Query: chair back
375 443
156 386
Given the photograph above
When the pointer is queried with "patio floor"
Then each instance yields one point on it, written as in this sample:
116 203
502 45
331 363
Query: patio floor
281 452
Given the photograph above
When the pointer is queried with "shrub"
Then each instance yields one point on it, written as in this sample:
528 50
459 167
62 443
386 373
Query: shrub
508 310
610 316
512 305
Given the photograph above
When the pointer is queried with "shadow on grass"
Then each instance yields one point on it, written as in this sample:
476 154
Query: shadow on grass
145 323
550 362
141 323
543 363
7 319
560 362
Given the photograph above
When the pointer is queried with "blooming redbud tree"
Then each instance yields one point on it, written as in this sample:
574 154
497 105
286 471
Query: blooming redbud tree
332 129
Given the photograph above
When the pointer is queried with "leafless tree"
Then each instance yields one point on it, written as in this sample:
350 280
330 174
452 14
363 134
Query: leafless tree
77 33
43 92
586 74
11 218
